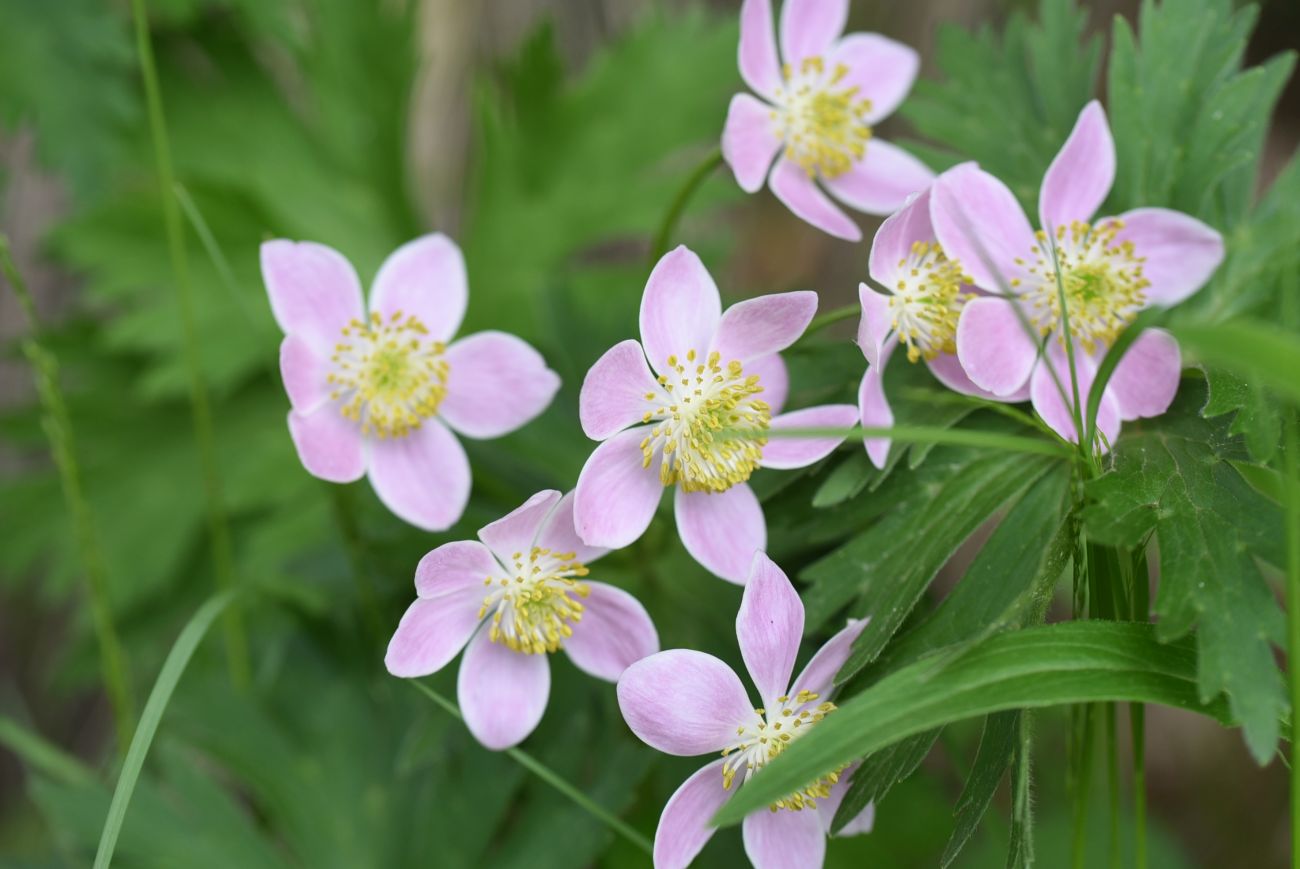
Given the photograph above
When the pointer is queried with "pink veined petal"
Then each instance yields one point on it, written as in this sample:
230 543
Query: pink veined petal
874 412
784 839
314 291
994 347
893 242
680 309
424 278
1180 252
614 391
329 446
431 633
495 384
976 218
1056 409
875 324
769 627
616 494
818 675
422 477
882 69
763 325
615 633
773 377
304 372
882 181
799 452
683 702
721 530
827 808
810 27
797 192
1146 379
759 64
749 141
684 829
560 534
454 567
1081 174
502 693
946 368
516 532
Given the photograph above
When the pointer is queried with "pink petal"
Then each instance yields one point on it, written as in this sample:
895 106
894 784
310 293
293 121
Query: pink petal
749 141
818 675
304 371
764 325
894 240
422 477
797 191
431 633
496 383
773 377
424 278
882 181
827 808
615 633
684 825
1081 174
721 530
875 323
329 446
784 839
683 702
769 627
973 214
810 27
502 693
680 309
882 69
946 368
799 452
994 347
455 567
314 291
1180 252
874 412
1146 379
614 391
516 532
759 64
559 534
1057 409
616 494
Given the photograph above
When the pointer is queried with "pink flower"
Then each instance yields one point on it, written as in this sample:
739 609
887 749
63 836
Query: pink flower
514 597
1111 269
820 105
700 426
380 394
687 703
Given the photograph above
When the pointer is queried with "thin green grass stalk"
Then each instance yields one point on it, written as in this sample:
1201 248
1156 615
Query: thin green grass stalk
45 757
1137 713
1291 474
1010 411
58 430
355 543
663 238
218 257
218 525
918 434
553 779
1085 446
1081 758
177 659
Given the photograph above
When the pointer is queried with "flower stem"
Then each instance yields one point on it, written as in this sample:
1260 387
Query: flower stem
664 236
552 778
346 517
919 434
834 315
200 406
58 429
1291 477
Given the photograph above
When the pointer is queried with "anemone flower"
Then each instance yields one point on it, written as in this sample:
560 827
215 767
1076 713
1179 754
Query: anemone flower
381 393
688 703
699 423
509 599
820 99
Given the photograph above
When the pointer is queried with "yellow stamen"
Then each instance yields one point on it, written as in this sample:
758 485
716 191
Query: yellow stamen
388 375
822 121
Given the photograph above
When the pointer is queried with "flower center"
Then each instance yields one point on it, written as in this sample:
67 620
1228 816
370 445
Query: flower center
769 734
704 399
1105 287
388 375
531 610
822 122
927 301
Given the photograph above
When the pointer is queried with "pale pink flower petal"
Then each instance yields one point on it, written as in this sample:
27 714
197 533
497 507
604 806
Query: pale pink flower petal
1081 174
329 446
882 181
683 702
424 278
614 633
759 64
975 217
827 808
680 308
514 533
616 494
314 291
559 533
749 141
784 839
769 627
304 371
946 368
721 530
799 452
773 377
1146 379
431 633
764 325
1055 404
496 384
874 412
796 190
502 692
994 347
454 567
876 321
614 391
893 243
810 27
1180 252
422 477
684 828
882 69
818 674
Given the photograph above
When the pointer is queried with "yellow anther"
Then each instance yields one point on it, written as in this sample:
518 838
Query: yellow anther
822 121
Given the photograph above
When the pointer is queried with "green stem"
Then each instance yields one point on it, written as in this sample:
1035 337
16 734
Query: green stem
1291 470
219 261
1082 761
58 430
1076 408
553 779
664 236
200 406
355 544
827 318
918 434
1137 725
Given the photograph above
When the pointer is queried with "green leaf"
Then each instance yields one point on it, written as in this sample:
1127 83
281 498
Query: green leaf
1020 855
1261 354
997 750
880 772
1257 419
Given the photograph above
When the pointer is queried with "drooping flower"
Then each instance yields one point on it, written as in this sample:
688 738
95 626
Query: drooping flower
688 703
699 423
509 599
379 393
1109 269
820 99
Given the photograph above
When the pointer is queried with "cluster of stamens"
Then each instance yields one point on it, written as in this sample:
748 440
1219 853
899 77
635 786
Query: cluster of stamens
387 374
711 426
761 740
822 122
531 611
927 301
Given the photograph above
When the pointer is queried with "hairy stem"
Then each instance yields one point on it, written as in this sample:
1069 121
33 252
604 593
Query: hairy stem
663 238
